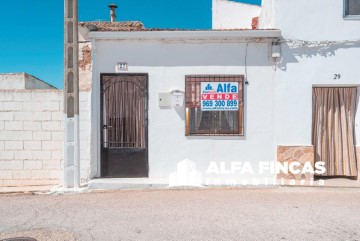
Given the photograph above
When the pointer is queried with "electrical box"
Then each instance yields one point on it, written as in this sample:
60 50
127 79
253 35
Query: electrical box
165 100
276 51
177 98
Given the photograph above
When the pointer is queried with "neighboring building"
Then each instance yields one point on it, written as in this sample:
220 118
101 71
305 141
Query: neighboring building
22 81
233 15
283 60
31 131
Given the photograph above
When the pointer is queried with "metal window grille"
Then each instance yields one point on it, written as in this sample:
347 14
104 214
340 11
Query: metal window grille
212 123
124 111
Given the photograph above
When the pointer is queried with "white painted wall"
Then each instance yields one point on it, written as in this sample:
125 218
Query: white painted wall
233 15
22 81
87 168
300 69
303 67
305 19
12 81
85 137
309 19
167 63
267 14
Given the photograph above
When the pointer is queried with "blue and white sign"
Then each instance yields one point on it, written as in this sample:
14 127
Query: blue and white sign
219 96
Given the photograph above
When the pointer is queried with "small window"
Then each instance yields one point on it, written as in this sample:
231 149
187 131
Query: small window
214 123
352 8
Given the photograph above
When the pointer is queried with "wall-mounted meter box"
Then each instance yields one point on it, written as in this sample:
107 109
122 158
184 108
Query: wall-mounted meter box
165 100
178 98
276 51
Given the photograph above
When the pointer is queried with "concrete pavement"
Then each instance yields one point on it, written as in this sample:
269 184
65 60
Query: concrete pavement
277 213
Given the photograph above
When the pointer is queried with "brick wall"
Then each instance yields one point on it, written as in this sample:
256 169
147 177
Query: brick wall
31 137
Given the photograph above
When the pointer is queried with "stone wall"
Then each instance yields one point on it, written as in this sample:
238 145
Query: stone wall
31 137
299 154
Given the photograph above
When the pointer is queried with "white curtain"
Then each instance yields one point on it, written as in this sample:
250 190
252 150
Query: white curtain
333 130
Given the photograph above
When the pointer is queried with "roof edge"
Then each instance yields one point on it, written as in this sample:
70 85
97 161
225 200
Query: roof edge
164 35
43 81
248 4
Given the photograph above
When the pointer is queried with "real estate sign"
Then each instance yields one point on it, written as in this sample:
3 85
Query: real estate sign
219 96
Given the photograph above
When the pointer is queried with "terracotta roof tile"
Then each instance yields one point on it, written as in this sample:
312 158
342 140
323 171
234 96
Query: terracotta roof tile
129 26
113 26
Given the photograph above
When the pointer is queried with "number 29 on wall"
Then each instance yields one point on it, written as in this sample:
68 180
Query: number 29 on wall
337 76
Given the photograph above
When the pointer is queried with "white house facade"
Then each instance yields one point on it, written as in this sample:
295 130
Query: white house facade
277 83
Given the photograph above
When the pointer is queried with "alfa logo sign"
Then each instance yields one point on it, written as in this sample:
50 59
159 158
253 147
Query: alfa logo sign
219 96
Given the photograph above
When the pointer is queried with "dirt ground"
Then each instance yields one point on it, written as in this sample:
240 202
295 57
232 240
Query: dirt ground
277 213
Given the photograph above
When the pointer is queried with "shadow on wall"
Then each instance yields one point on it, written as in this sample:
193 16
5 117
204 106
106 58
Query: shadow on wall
293 50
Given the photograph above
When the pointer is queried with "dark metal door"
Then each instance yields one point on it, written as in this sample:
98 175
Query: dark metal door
124 135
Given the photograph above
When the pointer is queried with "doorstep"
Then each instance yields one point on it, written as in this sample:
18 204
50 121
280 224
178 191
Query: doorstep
25 189
154 183
127 183
327 182
341 182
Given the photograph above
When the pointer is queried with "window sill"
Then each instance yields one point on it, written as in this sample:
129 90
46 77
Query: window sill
352 17
214 135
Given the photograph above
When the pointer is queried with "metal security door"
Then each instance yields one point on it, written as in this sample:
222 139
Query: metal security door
124 147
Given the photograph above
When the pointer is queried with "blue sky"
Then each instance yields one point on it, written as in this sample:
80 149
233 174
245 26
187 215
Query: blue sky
32 30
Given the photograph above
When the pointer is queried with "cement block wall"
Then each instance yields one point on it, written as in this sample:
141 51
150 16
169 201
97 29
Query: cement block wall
31 137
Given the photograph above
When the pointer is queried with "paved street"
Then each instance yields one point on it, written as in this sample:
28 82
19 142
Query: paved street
212 214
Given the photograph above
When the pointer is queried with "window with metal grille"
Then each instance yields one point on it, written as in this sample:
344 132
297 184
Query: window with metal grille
212 123
352 8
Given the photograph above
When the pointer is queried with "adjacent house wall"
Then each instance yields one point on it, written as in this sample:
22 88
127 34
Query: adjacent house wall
21 81
229 15
267 14
12 81
309 19
304 65
300 69
32 82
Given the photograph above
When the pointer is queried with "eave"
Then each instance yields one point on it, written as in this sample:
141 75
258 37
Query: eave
235 35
